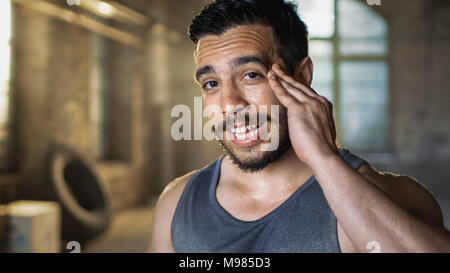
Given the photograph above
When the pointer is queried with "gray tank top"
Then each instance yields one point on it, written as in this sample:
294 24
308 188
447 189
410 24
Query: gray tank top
303 223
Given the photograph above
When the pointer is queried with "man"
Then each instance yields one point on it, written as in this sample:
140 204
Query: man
308 195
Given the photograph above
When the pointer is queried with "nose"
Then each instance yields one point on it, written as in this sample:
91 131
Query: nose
232 97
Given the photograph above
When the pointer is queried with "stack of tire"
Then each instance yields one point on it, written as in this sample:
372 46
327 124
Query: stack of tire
58 173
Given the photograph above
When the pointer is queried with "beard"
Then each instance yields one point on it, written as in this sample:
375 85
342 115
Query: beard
253 159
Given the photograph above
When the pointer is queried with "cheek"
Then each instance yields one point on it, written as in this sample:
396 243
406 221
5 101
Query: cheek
211 101
212 111
261 95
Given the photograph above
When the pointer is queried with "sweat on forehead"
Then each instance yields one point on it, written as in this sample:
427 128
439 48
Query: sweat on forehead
237 39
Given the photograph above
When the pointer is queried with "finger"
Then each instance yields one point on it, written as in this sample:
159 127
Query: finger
279 72
333 124
333 132
328 105
330 116
284 96
294 91
329 113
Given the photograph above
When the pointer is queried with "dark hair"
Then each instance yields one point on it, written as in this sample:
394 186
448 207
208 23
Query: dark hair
290 32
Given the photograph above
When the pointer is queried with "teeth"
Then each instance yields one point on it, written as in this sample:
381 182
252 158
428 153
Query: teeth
239 130
251 127
243 129
241 134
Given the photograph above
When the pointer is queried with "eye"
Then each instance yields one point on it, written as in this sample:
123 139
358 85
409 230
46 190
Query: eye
252 76
210 85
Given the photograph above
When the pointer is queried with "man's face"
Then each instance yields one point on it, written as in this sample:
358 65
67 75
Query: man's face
232 71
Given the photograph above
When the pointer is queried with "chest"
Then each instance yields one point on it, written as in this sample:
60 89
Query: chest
223 222
248 208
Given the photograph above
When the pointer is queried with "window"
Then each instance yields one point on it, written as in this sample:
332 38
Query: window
111 99
5 57
99 85
348 46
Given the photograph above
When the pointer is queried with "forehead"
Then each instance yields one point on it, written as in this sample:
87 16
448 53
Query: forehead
240 40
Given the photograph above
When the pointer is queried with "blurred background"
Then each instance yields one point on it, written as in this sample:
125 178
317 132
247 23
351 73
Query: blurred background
87 87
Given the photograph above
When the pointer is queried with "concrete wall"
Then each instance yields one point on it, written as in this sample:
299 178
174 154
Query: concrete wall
53 99
50 83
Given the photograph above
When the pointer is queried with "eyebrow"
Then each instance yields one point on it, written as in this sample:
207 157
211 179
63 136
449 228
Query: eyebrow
248 59
240 61
207 69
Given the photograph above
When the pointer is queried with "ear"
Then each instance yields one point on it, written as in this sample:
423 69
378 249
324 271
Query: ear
304 71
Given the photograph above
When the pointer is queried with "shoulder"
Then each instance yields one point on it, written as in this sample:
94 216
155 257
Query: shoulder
173 191
164 211
170 196
406 192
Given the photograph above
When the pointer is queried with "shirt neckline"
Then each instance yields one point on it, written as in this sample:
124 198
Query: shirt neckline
230 218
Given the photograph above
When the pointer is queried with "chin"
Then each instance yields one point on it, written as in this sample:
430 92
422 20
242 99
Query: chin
252 159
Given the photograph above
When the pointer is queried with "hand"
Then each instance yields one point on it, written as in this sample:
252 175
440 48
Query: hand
310 117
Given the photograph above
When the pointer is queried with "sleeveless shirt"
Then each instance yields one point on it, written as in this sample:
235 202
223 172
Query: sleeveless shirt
303 223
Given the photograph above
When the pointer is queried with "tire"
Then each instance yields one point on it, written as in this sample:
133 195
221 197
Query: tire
58 173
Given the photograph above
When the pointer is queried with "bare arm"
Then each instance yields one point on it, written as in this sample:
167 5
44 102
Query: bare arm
395 211
161 241
364 211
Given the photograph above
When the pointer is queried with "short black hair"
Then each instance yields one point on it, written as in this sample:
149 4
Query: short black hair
290 32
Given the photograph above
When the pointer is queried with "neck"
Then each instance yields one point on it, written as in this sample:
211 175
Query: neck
284 174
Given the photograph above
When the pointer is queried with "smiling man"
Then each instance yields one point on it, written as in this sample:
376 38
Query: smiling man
309 194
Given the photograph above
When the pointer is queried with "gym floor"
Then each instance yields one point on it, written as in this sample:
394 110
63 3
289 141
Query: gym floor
129 233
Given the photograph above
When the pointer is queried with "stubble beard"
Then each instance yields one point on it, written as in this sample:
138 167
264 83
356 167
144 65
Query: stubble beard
253 159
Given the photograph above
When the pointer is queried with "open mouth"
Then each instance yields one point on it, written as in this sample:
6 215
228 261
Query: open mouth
246 135
244 132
